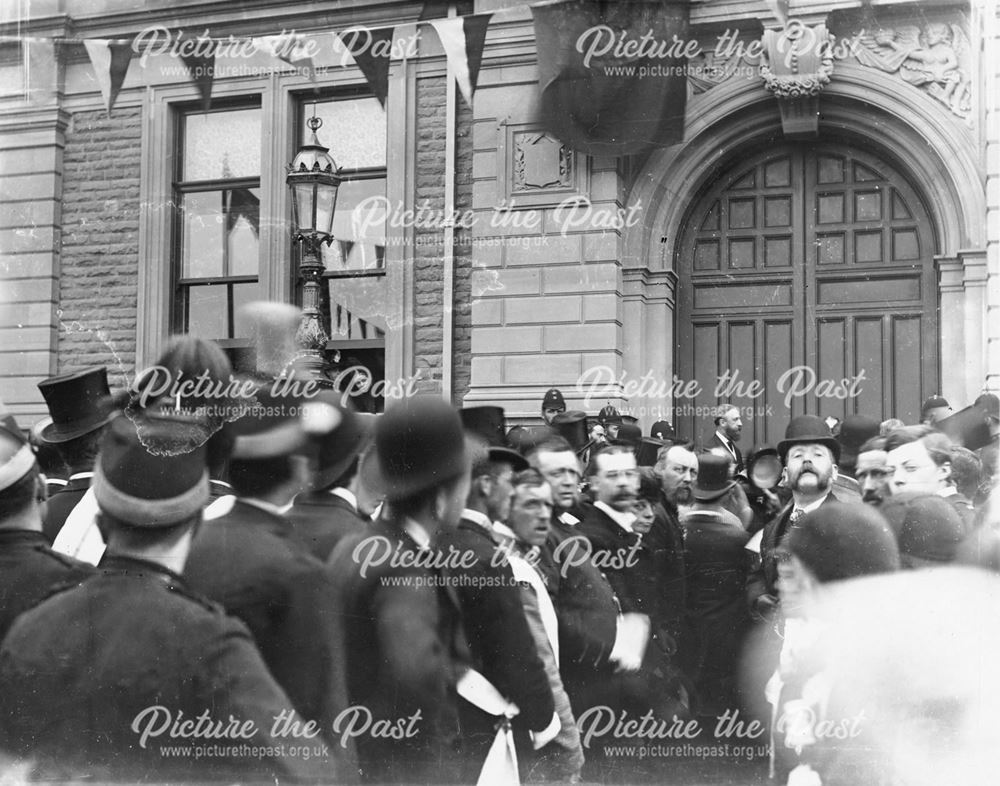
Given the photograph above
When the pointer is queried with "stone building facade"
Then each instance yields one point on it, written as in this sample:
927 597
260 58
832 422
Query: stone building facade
829 254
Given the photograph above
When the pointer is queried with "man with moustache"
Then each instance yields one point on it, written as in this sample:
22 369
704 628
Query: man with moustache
728 427
809 453
872 472
587 610
677 469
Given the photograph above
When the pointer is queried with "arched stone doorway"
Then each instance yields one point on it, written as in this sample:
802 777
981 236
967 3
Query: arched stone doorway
806 284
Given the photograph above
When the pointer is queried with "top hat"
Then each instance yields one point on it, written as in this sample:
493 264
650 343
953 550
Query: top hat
629 434
840 541
969 427
341 435
419 444
764 467
713 477
990 404
855 431
147 488
572 426
79 403
808 430
488 424
554 400
646 453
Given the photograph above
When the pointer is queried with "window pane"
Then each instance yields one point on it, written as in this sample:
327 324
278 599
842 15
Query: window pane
243 231
221 145
243 294
208 217
354 129
206 311
359 227
202 235
357 308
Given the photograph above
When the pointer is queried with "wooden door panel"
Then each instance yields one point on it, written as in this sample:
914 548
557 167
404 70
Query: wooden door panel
808 255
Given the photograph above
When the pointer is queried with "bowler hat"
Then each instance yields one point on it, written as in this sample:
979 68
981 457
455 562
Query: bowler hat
808 430
969 427
764 467
629 435
841 541
488 425
927 527
419 444
339 433
523 439
713 477
933 402
144 488
79 402
855 431
269 426
572 426
554 400
989 404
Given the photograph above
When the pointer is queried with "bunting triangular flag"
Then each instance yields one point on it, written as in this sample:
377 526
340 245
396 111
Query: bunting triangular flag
202 70
110 60
463 39
370 50
476 26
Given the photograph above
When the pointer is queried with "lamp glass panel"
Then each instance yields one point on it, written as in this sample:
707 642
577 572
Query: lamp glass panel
326 200
304 206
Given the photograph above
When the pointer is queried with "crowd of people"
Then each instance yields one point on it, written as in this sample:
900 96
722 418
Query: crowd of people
201 585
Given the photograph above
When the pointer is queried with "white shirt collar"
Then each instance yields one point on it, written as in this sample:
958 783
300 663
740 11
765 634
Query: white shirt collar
478 518
270 507
347 495
81 476
416 531
812 505
948 491
623 520
568 519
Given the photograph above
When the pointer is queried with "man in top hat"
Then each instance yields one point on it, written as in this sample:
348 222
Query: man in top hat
402 620
728 428
94 675
251 561
500 642
854 431
715 570
919 458
809 454
328 511
29 569
80 406
552 404
934 409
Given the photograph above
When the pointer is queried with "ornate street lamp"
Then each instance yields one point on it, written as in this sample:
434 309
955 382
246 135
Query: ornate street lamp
314 179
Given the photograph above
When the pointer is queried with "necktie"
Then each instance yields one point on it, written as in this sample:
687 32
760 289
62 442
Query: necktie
797 514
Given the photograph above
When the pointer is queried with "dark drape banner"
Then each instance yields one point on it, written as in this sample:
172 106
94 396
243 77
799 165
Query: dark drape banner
609 81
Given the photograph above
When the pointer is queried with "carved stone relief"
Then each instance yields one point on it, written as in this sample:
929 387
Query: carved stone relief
540 162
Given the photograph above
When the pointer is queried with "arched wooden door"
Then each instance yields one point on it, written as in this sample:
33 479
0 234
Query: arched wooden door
807 269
